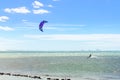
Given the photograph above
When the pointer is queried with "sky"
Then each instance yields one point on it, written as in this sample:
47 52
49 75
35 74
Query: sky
72 25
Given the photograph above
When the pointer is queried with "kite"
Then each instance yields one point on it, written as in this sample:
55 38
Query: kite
42 24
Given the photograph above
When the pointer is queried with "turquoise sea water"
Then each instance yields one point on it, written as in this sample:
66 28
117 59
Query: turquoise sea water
103 65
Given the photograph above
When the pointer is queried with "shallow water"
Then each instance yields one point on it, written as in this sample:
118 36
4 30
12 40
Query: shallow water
74 65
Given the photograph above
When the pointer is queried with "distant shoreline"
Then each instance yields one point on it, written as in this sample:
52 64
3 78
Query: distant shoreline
15 51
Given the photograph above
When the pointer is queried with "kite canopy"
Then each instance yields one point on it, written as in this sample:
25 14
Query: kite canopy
42 24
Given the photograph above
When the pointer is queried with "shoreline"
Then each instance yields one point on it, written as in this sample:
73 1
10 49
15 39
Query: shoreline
21 75
17 76
47 77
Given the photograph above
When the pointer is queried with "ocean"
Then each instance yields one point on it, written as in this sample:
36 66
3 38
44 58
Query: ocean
75 65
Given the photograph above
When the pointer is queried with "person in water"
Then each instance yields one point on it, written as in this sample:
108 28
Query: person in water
89 56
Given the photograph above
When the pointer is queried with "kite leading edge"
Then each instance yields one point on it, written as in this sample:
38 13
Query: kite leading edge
42 24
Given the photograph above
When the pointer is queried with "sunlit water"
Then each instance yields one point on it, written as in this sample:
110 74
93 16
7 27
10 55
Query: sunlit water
74 65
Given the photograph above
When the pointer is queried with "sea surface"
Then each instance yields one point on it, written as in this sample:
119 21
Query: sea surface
103 65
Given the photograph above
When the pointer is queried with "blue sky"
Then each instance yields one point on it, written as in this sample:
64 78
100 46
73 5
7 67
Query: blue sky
72 25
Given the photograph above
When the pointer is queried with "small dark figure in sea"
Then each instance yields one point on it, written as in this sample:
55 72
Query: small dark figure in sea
90 56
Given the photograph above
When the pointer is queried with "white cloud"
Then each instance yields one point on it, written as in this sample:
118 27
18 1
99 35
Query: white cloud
24 20
37 4
63 27
82 37
9 44
3 18
50 5
5 28
55 0
40 11
72 25
82 41
63 42
22 10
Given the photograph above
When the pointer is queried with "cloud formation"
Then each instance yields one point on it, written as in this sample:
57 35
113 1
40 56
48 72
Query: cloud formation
5 28
3 18
82 37
37 4
40 11
55 0
9 44
22 10
50 5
